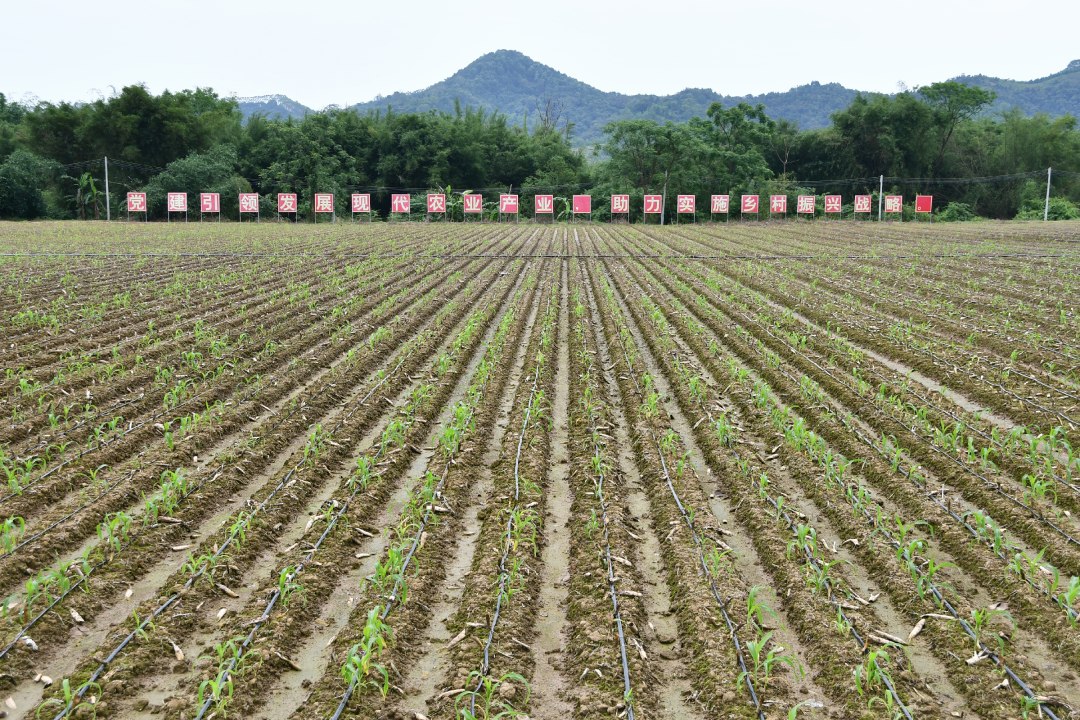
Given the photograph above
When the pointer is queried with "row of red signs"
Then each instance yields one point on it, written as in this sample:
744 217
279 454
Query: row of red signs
582 204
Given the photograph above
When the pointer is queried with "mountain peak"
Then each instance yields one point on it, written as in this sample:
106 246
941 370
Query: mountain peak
510 82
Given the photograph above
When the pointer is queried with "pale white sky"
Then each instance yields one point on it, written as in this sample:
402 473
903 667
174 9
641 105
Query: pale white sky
321 52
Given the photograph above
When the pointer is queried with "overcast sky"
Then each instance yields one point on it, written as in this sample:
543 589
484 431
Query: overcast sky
322 52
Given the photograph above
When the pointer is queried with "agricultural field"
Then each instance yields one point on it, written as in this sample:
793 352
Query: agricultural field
787 470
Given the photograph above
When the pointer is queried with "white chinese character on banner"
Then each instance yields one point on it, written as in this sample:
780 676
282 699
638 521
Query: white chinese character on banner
473 203
778 203
832 203
806 203
653 203
324 203
894 203
136 202
862 203
249 202
544 203
177 202
436 203
287 203
620 203
720 203
686 203
399 203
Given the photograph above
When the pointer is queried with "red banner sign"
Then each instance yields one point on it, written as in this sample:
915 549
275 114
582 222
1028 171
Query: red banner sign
686 203
324 203
136 202
924 203
894 203
399 203
833 203
654 204
210 202
620 204
582 204
177 202
436 203
806 204
361 202
249 202
545 204
508 204
721 203
749 203
778 203
862 203
473 202
286 202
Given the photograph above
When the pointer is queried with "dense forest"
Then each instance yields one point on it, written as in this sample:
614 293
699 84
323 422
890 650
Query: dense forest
934 139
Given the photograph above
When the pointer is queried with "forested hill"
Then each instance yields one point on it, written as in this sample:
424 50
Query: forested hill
1055 94
512 83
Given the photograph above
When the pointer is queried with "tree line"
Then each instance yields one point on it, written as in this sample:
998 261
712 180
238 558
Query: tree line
195 141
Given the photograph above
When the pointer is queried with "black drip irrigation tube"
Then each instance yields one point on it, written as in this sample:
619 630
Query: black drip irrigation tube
191 581
408 558
265 616
85 578
992 485
970 374
486 667
697 541
812 560
937 594
944 411
616 612
906 473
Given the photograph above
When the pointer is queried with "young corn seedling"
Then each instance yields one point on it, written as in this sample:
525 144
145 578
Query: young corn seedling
486 702
288 588
71 698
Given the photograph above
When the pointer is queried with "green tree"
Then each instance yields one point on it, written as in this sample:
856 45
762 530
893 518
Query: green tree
23 180
953 103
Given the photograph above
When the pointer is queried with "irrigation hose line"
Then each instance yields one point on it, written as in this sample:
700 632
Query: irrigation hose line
941 599
190 583
993 333
812 560
929 403
85 577
995 486
509 527
416 539
697 541
616 612
1069 611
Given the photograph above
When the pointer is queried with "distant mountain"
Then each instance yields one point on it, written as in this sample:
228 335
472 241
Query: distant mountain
1056 94
514 84
273 106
